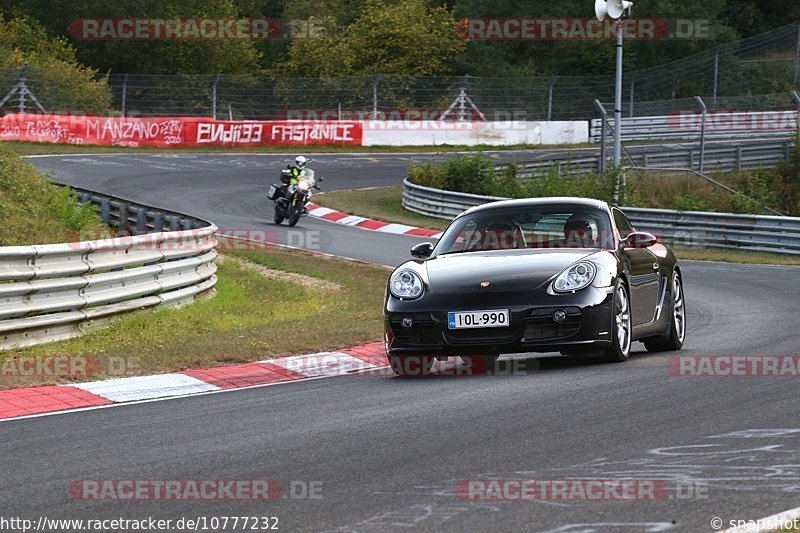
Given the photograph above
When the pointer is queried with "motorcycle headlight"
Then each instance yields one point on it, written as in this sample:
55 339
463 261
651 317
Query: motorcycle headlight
406 284
577 277
303 186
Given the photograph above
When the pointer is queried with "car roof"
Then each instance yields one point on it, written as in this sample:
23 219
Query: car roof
538 202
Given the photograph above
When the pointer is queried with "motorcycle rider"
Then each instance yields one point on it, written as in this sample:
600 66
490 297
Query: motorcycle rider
292 173
298 169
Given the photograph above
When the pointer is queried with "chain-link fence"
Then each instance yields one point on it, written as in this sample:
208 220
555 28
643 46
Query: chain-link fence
761 65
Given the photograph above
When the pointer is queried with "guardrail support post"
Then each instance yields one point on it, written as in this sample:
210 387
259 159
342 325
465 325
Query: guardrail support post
122 228
141 220
105 211
158 222
174 223
738 158
702 132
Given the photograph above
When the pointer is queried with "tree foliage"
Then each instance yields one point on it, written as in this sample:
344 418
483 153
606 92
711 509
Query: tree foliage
55 74
405 37
147 56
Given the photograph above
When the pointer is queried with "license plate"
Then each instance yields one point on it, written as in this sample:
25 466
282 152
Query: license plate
496 318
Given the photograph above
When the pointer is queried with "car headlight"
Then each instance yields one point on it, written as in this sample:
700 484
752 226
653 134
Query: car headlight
406 284
578 276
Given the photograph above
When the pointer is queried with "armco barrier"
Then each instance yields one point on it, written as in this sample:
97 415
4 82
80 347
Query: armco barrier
712 230
751 155
57 291
719 124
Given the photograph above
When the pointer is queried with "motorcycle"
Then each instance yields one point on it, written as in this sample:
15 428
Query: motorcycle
291 205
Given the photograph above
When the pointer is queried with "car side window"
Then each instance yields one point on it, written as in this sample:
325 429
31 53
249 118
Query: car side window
623 224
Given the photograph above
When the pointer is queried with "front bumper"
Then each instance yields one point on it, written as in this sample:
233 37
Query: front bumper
531 329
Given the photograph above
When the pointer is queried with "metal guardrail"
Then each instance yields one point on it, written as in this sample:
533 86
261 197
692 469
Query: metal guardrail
56 291
774 234
716 159
728 125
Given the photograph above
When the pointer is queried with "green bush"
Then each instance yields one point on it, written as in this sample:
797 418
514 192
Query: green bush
685 202
476 174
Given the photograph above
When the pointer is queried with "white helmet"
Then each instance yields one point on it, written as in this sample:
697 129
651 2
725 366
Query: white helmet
301 161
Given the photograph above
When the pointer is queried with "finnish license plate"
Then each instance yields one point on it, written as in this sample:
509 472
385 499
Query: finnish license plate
496 318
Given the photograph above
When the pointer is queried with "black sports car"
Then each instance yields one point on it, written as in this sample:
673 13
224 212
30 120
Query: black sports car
567 275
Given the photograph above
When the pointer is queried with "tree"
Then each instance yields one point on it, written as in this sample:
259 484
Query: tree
405 38
55 77
175 56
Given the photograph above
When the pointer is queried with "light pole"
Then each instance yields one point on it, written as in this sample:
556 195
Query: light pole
615 9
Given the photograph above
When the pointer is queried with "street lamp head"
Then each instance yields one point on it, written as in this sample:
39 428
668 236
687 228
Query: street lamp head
613 8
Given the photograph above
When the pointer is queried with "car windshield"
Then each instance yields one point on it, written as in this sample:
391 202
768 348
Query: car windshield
528 227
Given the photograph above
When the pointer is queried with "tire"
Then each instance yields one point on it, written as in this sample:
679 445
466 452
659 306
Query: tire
294 218
621 325
673 338
278 214
480 364
411 365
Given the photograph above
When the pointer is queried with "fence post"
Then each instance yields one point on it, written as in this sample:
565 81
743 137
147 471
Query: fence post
124 93
375 99
601 168
550 98
797 58
702 131
716 77
22 78
214 96
630 104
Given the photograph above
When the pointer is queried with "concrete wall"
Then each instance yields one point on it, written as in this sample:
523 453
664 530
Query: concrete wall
431 133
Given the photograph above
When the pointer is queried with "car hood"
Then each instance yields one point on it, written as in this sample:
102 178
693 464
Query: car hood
508 270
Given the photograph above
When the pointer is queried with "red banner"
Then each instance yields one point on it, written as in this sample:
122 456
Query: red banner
166 132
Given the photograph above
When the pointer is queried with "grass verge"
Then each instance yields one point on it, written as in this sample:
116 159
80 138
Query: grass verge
34 211
385 203
269 303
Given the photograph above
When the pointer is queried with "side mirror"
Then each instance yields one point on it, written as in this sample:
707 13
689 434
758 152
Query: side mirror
321 179
640 239
422 250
